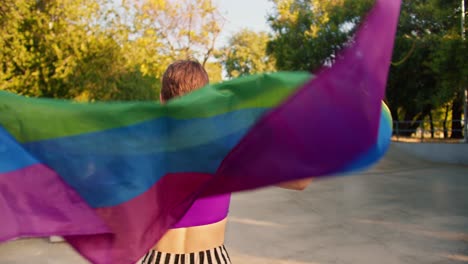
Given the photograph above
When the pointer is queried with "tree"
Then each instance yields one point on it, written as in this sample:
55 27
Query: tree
429 63
183 28
450 64
411 92
91 50
215 71
66 49
245 53
103 73
307 34
37 46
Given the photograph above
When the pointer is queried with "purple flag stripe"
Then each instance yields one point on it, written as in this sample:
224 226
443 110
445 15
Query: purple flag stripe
327 123
36 202
138 224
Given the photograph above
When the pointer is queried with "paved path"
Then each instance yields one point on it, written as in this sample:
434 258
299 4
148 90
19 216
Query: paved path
402 211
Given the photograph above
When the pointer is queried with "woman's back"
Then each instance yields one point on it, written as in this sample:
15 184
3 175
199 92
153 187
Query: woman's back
197 238
193 239
202 227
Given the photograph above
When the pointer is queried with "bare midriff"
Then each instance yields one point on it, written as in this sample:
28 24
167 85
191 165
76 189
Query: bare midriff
192 239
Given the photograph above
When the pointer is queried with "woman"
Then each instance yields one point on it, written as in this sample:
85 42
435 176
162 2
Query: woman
199 236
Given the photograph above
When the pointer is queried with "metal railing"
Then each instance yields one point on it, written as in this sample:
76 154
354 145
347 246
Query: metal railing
422 131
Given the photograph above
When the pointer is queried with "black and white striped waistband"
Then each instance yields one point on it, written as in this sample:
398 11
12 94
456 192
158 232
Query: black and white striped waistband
217 255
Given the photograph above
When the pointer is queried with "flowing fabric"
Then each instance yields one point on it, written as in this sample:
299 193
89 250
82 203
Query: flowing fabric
113 177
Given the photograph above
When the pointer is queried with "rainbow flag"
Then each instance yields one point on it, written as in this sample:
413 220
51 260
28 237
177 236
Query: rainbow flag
113 177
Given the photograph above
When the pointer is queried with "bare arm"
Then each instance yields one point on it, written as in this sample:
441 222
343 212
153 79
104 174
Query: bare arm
298 185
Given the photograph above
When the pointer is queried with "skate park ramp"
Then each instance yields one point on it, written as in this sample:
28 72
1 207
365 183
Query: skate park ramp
403 210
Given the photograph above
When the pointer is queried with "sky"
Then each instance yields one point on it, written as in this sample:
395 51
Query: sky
241 14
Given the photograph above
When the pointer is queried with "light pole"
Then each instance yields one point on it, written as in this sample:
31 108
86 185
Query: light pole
465 99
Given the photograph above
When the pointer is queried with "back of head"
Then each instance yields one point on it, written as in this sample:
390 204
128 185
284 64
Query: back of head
182 77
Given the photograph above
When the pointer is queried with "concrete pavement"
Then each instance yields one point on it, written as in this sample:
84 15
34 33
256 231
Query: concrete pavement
404 210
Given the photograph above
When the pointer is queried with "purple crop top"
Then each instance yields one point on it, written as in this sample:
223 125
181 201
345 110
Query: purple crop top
205 211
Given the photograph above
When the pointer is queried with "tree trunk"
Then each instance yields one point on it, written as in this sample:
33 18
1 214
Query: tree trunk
447 108
431 123
396 120
427 111
457 109
408 127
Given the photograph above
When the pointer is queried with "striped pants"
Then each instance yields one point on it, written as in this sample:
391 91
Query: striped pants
217 255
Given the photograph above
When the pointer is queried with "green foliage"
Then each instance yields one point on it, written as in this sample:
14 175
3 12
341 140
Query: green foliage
309 33
215 71
245 53
90 50
430 61
179 29
450 64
